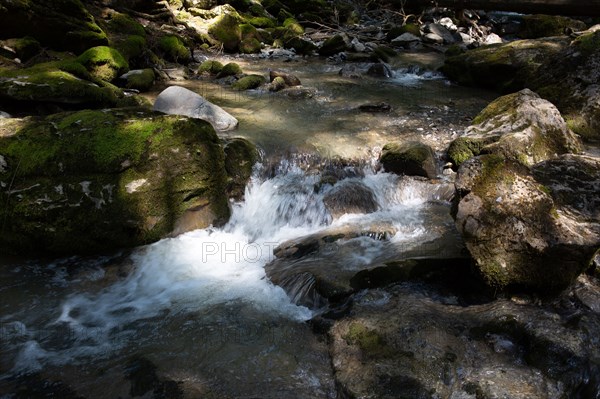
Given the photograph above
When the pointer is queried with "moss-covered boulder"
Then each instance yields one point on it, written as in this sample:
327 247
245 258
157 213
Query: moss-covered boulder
289 79
23 48
104 63
58 24
520 126
520 231
230 69
333 45
55 83
240 157
173 48
226 29
396 31
133 48
411 159
98 180
211 67
250 46
249 82
139 79
540 25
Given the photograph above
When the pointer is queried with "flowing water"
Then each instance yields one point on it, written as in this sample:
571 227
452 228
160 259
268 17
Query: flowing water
196 315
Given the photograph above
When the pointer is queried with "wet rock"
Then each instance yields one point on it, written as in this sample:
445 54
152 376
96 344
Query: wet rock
248 82
357 46
380 70
334 45
413 340
518 231
406 39
350 196
560 69
240 157
380 107
536 26
177 100
351 71
520 126
439 31
290 80
98 180
411 159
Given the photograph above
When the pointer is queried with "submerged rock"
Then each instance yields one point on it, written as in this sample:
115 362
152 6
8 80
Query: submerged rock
290 80
176 100
98 180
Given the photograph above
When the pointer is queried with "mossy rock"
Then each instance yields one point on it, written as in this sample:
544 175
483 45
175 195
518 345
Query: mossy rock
58 83
300 46
412 159
334 45
92 181
292 25
536 26
399 30
104 63
131 47
465 148
231 69
513 65
368 340
140 79
588 43
123 24
384 53
249 32
250 46
260 22
249 82
211 67
173 48
57 24
226 29
25 48
240 157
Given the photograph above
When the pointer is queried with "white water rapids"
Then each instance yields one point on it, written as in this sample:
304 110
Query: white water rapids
207 269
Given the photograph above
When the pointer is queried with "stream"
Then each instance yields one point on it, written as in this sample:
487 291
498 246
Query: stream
197 315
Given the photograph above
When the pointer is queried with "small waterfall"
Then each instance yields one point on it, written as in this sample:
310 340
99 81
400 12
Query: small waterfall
205 270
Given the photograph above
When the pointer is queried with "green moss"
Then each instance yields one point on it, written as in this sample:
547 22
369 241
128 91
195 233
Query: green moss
231 69
131 47
104 62
301 46
174 49
292 25
588 43
249 82
248 31
82 165
502 105
579 125
368 340
454 50
260 22
212 67
332 46
250 46
142 81
399 30
26 47
536 26
464 148
125 25
226 29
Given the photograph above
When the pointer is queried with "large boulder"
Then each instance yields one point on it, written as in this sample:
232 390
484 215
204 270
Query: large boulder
411 159
56 83
522 232
562 70
418 341
98 180
540 25
350 196
60 25
521 126
176 100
